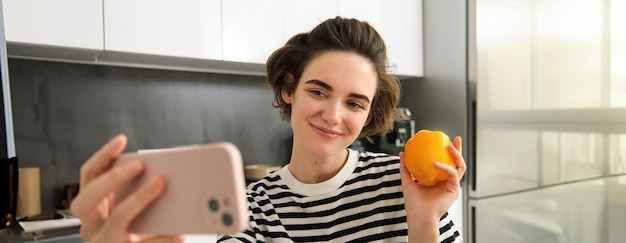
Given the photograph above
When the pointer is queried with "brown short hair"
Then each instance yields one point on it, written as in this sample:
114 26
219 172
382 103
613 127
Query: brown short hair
337 34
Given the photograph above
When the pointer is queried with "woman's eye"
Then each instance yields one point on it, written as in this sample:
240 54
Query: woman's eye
356 105
316 93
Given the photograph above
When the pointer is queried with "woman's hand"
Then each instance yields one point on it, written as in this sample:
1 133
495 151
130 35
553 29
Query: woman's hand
426 204
101 221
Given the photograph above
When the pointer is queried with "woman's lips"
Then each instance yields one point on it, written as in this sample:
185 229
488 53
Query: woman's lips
325 132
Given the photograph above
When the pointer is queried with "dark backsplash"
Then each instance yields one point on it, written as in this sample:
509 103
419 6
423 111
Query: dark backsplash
64 112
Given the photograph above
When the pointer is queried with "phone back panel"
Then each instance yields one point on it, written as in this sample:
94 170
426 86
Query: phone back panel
204 193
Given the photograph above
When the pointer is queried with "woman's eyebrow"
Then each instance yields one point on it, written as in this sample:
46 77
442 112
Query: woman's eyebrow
320 83
360 96
329 88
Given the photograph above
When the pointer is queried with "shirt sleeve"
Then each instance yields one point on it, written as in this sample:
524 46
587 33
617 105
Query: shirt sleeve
247 236
252 232
448 232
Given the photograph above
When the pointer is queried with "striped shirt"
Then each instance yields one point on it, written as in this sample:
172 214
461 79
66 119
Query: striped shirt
362 203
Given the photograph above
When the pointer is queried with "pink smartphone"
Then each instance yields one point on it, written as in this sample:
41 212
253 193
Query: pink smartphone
204 193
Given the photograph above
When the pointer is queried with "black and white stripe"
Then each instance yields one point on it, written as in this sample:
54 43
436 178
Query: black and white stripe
366 206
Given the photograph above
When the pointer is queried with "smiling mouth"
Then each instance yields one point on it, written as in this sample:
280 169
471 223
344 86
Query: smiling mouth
325 132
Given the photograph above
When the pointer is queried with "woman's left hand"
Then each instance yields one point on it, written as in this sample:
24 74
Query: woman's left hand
426 204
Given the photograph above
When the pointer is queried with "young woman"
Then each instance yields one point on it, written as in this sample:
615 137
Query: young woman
331 85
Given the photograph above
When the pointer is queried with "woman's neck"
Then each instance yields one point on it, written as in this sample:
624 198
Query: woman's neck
309 168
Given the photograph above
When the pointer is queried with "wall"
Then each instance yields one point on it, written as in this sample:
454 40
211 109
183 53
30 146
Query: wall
64 112
438 101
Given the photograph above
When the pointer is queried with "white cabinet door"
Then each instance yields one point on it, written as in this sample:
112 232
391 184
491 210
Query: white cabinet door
303 16
399 22
253 29
182 28
60 23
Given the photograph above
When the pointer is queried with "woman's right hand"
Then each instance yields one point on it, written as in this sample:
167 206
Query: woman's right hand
101 220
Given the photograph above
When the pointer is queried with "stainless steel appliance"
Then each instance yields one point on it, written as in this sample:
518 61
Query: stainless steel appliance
546 165
9 162
7 143
541 111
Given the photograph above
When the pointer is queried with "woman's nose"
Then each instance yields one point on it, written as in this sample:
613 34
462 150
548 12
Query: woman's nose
332 113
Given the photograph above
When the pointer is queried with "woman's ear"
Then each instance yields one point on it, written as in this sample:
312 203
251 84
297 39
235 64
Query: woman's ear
288 88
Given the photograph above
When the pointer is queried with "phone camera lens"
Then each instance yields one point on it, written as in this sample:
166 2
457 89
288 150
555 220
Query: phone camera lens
227 219
214 205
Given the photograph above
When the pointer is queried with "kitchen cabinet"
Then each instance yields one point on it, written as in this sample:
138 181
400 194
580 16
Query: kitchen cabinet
75 24
303 16
250 35
234 36
399 22
185 28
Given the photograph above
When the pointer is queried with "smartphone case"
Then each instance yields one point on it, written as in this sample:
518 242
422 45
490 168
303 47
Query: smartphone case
204 193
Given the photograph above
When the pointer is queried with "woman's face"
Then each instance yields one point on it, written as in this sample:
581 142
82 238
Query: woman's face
331 103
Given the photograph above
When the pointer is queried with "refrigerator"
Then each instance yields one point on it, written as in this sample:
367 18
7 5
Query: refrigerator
537 90
548 121
7 144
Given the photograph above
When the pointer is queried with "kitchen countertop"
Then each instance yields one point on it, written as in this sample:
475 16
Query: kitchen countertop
73 236
14 235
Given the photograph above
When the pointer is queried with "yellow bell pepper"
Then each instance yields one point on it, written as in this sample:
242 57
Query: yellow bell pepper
420 153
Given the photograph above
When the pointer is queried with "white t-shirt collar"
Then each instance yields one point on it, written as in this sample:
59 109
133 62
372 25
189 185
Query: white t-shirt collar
324 187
